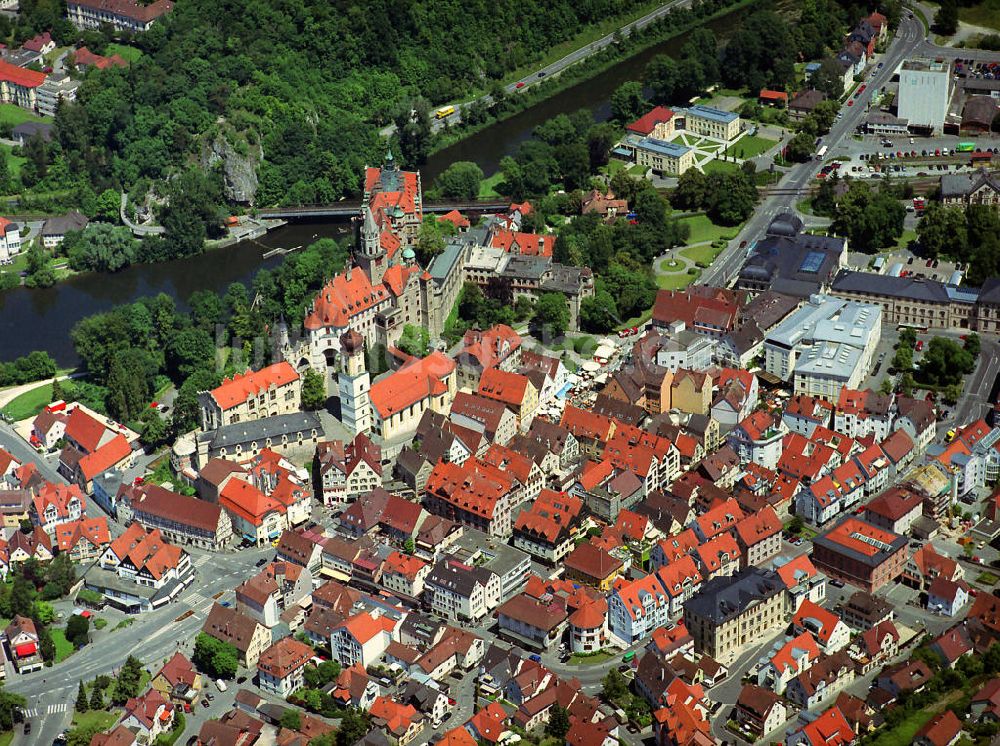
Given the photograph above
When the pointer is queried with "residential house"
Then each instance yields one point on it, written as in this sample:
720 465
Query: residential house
347 470
947 597
459 591
788 660
177 680
247 635
943 729
148 715
22 639
821 681
400 722
830 631
280 668
759 536
759 711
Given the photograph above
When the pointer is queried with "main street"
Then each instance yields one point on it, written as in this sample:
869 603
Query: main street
909 37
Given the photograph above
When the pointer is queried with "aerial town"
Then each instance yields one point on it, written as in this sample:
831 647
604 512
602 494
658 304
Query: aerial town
673 420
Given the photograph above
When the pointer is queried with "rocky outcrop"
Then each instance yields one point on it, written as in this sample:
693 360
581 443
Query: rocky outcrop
239 167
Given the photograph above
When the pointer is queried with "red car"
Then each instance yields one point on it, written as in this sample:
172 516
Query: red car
520 85
851 102
920 345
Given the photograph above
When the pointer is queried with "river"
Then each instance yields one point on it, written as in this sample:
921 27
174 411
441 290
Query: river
41 319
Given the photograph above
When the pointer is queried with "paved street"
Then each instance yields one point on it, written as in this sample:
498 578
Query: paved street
909 36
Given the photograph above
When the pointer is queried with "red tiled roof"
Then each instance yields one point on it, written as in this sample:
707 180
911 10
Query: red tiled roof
236 390
769 95
84 429
509 388
345 296
20 76
248 502
645 124
759 526
130 8
284 657
940 730
107 456
455 218
825 620
418 379
527 244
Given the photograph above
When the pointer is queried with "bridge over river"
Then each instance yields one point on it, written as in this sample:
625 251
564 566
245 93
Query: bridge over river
350 209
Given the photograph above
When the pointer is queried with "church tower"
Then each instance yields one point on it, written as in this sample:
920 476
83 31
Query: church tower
371 256
354 384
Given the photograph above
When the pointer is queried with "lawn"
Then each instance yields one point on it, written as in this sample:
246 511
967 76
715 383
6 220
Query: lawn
29 403
705 254
590 660
14 162
902 734
986 13
675 281
750 146
717 166
64 648
703 230
102 719
126 52
904 240
637 171
6 737
666 268
487 187
987 578
614 166
14 115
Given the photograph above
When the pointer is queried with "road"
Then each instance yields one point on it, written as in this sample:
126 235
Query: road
558 66
909 37
152 638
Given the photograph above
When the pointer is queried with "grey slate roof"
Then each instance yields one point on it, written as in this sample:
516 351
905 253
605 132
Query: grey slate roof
959 185
723 598
262 429
911 288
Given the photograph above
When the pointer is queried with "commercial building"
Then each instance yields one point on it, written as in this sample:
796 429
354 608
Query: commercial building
791 262
181 519
731 611
825 345
662 157
978 188
57 87
270 391
711 122
861 554
925 88
122 15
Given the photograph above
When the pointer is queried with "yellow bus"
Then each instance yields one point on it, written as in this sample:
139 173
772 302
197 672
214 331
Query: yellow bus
443 112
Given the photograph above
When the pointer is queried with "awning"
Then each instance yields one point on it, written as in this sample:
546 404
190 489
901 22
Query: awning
25 649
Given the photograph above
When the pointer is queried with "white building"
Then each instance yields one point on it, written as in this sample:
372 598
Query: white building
826 344
10 240
924 92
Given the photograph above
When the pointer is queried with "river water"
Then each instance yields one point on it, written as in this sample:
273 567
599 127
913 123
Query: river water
33 319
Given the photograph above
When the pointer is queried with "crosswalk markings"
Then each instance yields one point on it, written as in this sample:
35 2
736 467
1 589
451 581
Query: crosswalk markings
33 712
202 561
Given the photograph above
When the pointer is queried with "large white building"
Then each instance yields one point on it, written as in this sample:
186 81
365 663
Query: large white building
10 240
824 345
925 88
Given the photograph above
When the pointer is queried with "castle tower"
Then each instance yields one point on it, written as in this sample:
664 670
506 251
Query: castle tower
370 255
354 384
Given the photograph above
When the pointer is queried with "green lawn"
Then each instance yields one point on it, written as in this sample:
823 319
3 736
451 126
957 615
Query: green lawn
102 719
705 253
614 166
986 13
675 281
29 403
637 171
904 240
704 230
717 166
902 734
6 737
126 52
590 660
14 115
987 578
14 162
487 187
750 146
667 269
64 648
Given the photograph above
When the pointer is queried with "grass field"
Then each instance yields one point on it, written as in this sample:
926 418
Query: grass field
705 253
6 737
102 719
703 229
15 115
487 187
675 281
751 145
14 162
29 403
904 240
64 648
590 660
127 53
986 13
716 166
987 578
902 734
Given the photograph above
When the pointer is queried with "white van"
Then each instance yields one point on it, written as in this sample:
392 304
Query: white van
221 685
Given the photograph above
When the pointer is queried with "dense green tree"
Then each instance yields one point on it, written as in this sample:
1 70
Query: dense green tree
216 658
942 230
185 416
207 309
558 724
39 271
828 79
627 102
353 727
415 340
78 630
189 350
96 697
598 312
600 139
946 18
870 219
9 703
551 315
154 428
313 390
290 719
761 53
972 344
34 366
100 247
800 148
662 75
574 164
321 675
82 703
431 240
944 362
460 181
734 197
128 384
615 687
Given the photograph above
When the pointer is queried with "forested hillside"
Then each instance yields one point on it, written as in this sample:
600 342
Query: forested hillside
311 81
